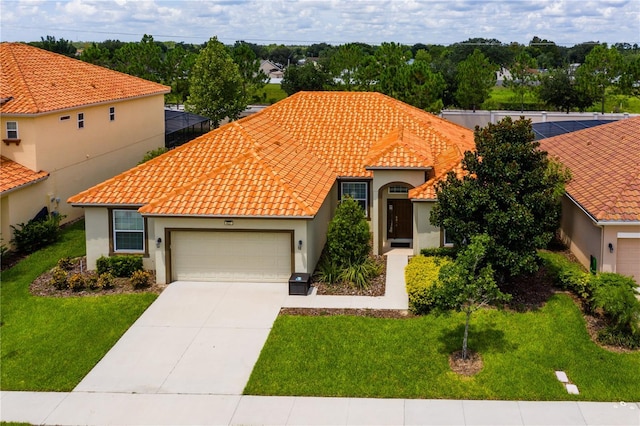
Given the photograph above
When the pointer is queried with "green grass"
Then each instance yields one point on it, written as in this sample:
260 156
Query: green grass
271 93
50 344
343 356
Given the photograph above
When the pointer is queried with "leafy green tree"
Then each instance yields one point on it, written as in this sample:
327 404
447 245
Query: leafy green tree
391 63
546 53
423 87
305 77
468 283
598 72
253 78
143 59
344 63
476 76
511 191
62 46
96 55
215 85
348 235
176 69
558 88
494 50
629 83
522 77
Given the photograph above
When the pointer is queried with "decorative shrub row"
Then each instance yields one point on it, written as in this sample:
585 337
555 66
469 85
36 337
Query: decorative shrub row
611 294
421 277
119 266
450 252
36 234
62 279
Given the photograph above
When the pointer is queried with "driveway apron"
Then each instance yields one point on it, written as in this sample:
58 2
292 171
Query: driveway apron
196 338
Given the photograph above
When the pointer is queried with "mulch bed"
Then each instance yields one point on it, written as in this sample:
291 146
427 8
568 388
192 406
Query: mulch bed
375 288
43 287
466 367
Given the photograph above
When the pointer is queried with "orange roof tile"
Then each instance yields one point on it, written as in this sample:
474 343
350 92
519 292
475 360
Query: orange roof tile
605 167
16 175
284 160
38 81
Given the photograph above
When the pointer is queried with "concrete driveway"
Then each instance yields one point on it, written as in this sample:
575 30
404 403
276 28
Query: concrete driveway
196 338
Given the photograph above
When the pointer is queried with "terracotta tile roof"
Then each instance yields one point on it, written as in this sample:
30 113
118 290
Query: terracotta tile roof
40 81
15 175
284 160
605 165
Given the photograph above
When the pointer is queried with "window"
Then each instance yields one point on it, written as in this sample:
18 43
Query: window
112 113
65 117
396 189
448 241
359 192
81 120
128 231
12 130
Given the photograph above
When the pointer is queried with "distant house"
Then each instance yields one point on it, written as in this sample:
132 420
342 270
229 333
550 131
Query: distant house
252 200
601 208
272 70
67 125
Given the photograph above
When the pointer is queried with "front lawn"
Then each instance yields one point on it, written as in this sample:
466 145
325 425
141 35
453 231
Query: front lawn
349 356
51 343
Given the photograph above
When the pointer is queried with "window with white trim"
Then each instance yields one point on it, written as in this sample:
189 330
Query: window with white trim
12 130
358 191
81 120
446 238
112 113
128 231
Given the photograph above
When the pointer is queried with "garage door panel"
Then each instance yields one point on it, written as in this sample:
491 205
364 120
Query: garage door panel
230 256
628 257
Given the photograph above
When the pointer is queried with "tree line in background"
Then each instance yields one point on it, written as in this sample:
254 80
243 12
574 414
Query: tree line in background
219 81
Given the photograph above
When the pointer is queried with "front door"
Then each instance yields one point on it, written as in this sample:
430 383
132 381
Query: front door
399 219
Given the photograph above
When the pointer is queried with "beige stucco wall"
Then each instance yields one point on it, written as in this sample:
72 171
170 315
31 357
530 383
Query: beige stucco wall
20 206
425 235
317 231
580 233
381 179
77 159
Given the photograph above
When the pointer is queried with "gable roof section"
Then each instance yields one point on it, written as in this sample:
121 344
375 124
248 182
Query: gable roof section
15 175
38 81
605 168
284 160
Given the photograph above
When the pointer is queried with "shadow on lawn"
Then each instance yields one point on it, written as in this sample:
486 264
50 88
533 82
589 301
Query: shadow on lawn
482 338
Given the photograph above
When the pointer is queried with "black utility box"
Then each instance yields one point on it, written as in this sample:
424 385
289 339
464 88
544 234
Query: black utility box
299 284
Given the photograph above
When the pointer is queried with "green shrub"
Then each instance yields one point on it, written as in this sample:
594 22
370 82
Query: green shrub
65 263
58 278
449 252
105 281
119 266
36 234
421 276
91 280
328 270
140 279
76 282
360 274
611 336
150 155
348 235
615 295
568 275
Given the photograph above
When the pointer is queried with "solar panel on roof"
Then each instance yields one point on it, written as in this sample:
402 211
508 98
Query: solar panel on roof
549 129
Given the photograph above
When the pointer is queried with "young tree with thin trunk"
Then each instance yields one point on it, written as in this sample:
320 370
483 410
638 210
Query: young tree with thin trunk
600 69
476 76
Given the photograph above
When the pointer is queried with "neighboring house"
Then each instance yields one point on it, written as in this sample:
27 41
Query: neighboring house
273 71
601 208
252 200
67 125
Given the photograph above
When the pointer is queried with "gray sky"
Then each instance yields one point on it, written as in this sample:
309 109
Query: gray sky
566 22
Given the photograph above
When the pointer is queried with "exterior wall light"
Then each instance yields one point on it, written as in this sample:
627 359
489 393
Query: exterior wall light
299 244
158 242
610 248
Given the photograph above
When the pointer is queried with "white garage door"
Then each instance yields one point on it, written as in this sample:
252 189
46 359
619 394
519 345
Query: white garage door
628 258
230 256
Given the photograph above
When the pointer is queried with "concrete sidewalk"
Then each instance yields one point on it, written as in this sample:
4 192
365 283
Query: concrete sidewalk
86 408
187 359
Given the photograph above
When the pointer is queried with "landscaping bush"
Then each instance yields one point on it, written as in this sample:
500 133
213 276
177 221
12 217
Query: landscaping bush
615 295
119 266
58 278
91 280
449 252
359 274
140 279
65 263
328 270
568 275
36 234
76 282
348 235
421 276
105 281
